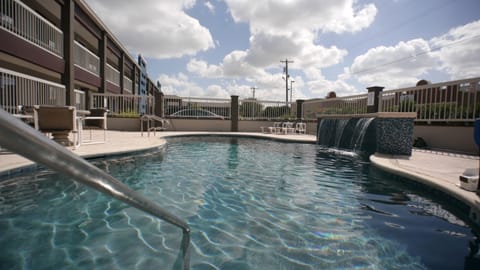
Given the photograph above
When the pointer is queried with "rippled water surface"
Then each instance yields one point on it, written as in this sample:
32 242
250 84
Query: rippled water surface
251 204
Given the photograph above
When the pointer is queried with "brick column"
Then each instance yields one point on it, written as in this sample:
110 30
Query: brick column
68 21
300 109
122 71
373 98
234 114
103 62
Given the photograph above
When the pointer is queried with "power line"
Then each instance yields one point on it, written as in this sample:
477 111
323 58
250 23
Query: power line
415 55
429 11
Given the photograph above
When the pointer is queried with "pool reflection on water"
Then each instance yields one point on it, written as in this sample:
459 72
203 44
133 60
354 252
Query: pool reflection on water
251 204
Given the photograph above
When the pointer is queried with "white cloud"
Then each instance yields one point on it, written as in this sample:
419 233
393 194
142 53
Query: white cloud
203 69
217 91
157 29
267 50
337 16
455 53
394 66
282 30
210 6
459 51
180 85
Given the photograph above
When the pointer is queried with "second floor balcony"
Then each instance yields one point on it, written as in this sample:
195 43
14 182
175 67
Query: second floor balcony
26 23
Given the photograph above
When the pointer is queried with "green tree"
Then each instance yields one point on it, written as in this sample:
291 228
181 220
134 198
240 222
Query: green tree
251 108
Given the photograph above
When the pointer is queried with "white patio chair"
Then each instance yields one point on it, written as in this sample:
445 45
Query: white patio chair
277 128
287 127
301 128
96 120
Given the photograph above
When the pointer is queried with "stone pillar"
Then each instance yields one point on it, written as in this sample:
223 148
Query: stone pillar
103 63
68 21
234 114
122 71
373 98
394 135
134 80
300 109
159 111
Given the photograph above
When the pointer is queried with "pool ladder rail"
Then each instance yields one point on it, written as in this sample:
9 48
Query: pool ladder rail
24 140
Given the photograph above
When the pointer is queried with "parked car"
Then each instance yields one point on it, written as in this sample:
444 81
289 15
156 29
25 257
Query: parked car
196 113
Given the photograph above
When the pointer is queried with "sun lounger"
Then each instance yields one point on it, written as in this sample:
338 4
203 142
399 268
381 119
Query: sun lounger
59 121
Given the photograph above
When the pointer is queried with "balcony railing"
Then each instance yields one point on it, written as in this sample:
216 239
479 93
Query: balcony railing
122 105
17 89
80 99
127 84
86 60
26 23
443 102
112 75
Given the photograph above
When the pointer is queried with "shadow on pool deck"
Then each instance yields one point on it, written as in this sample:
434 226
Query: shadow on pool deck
439 170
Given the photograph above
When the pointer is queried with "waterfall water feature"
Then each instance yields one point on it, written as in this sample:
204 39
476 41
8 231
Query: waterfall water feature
341 124
345 133
359 133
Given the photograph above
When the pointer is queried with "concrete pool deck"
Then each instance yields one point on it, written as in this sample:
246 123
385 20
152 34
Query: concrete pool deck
438 170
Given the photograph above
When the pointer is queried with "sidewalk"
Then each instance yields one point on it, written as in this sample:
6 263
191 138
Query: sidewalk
438 170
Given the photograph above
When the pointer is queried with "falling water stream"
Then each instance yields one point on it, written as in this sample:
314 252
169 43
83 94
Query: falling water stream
347 134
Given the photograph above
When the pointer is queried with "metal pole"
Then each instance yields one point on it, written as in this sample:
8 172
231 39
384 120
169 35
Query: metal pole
291 90
286 79
22 139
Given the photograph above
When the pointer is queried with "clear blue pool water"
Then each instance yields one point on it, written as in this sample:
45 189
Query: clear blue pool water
251 204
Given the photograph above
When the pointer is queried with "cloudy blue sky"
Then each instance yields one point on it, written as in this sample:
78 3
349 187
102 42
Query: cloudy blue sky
218 48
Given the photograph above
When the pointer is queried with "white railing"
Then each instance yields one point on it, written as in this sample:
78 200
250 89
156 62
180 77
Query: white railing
17 89
253 109
127 84
122 105
442 102
80 99
86 60
354 105
190 107
24 22
112 75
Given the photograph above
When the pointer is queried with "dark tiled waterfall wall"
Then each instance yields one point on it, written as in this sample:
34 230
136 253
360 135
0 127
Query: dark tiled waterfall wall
394 136
383 135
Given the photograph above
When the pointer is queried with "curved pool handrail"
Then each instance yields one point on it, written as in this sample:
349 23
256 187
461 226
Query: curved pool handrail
24 140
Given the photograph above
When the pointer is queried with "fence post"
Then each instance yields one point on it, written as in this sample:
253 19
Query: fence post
373 98
68 21
300 108
234 114
159 106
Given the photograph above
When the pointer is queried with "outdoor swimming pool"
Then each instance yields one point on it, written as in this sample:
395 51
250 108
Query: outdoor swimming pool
251 204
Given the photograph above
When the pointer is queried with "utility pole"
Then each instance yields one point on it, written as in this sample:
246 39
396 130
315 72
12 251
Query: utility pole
253 89
286 79
291 90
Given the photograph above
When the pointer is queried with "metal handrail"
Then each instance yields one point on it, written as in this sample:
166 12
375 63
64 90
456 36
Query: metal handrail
20 138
